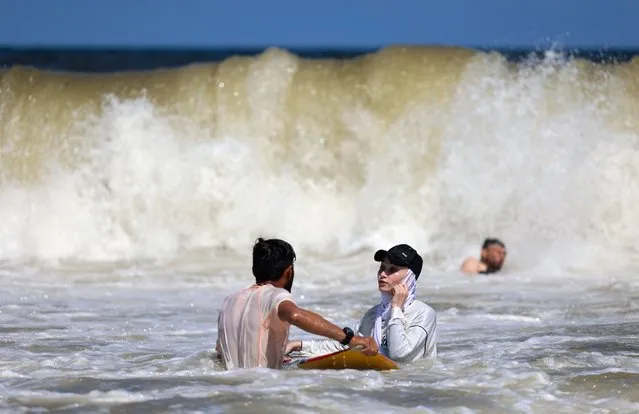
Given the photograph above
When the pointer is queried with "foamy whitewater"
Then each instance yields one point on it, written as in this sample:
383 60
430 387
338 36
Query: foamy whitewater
129 204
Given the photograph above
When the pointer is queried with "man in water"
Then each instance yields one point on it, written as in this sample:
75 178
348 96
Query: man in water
253 324
492 257
404 328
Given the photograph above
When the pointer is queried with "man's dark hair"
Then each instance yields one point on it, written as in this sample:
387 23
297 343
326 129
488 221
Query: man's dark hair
270 258
489 242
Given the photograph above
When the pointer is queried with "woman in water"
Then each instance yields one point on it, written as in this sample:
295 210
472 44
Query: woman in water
404 328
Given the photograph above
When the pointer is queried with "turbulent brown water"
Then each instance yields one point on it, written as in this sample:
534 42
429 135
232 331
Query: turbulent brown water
129 203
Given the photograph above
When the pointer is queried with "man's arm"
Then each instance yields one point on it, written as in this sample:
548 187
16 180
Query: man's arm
218 347
470 265
315 324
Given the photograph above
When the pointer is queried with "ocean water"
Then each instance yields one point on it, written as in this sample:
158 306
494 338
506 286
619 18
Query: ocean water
133 188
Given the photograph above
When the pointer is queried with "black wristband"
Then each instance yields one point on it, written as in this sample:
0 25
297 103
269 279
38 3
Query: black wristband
349 335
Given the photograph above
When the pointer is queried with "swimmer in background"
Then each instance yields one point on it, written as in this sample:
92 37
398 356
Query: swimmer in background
491 260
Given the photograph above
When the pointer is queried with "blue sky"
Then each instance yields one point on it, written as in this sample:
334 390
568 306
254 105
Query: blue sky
320 23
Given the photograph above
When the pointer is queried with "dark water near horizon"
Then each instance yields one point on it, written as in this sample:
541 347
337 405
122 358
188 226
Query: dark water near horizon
119 59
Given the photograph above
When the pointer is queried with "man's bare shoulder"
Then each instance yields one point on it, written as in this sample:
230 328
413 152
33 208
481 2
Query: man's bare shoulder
471 265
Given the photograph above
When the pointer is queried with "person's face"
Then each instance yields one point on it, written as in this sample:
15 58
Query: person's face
494 256
389 276
291 276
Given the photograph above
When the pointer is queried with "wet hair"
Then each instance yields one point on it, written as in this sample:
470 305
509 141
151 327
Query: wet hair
489 242
271 258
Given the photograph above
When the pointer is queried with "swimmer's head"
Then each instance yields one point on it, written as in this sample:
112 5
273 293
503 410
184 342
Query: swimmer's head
493 254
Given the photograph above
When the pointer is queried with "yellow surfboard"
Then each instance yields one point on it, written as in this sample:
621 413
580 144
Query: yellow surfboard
351 358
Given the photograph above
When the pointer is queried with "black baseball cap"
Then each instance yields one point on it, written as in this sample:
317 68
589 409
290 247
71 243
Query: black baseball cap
402 255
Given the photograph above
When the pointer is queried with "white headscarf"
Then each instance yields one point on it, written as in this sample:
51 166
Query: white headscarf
384 308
